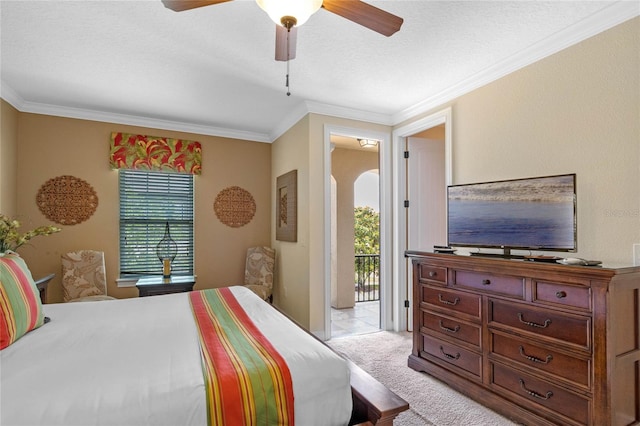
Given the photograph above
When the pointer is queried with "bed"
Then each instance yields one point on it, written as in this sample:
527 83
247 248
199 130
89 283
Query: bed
139 362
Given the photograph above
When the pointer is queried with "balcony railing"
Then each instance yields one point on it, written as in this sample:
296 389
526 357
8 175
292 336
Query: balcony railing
367 277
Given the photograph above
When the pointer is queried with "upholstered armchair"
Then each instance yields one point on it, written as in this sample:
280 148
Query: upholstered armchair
84 277
258 271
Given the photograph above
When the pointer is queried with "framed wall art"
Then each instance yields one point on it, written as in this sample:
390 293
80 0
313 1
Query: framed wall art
287 207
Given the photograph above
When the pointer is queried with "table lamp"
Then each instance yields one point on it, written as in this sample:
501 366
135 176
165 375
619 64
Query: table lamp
167 249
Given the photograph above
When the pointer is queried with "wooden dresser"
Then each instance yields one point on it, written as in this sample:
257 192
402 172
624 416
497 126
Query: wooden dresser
541 343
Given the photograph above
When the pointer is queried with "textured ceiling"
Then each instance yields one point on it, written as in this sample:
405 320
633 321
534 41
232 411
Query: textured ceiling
212 70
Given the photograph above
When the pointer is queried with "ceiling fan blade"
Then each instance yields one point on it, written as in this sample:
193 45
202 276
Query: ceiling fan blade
180 5
281 43
366 15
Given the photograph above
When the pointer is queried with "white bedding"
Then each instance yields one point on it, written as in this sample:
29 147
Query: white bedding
137 362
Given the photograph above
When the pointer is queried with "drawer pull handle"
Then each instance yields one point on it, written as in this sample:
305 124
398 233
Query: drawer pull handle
561 294
455 357
533 324
433 274
535 394
533 358
450 330
486 282
446 302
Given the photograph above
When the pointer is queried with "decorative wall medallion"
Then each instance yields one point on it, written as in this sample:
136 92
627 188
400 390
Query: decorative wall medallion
67 200
234 206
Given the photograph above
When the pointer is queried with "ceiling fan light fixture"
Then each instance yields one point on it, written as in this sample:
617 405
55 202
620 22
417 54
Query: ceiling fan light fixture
281 11
288 22
368 143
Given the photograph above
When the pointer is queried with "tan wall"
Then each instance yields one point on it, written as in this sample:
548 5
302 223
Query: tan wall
299 287
8 158
577 111
346 166
52 146
291 283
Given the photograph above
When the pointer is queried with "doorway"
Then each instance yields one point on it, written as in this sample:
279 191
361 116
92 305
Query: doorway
355 286
355 294
420 185
426 189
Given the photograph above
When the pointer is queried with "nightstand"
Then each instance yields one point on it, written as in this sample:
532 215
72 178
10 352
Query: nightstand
42 285
153 286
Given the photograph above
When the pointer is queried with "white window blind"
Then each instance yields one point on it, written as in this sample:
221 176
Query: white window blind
148 200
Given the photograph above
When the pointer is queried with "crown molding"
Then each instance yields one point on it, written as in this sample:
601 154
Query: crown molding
9 95
289 121
348 113
613 15
310 107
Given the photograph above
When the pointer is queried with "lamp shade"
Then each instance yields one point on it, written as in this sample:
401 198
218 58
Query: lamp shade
167 247
299 9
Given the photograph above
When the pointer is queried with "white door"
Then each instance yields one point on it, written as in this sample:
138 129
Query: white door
427 197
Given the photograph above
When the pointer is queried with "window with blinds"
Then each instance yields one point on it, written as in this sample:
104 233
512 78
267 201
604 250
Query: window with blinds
148 200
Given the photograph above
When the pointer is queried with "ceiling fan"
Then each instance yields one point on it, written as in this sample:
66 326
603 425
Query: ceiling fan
288 15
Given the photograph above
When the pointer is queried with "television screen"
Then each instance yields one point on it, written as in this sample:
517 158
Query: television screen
533 213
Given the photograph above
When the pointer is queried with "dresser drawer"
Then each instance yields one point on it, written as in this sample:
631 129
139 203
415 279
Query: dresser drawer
575 370
562 295
565 328
498 284
541 393
451 327
453 301
453 355
433 273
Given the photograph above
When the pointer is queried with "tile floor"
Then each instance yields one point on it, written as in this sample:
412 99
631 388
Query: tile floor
361 319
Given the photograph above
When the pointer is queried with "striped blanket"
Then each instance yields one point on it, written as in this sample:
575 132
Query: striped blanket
247 381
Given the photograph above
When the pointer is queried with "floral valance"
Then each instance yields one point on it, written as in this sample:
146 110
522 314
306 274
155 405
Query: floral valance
154 153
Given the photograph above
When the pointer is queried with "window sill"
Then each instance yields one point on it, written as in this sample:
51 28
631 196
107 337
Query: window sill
131 281
126 282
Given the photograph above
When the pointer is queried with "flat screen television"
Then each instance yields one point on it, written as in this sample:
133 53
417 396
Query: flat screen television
537 213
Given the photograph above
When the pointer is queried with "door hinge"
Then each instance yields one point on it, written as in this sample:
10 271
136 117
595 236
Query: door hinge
406 203
406 154
406 303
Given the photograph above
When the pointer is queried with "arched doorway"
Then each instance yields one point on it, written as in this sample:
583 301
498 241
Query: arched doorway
355 259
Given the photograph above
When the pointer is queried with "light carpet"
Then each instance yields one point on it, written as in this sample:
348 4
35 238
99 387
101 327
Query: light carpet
384 355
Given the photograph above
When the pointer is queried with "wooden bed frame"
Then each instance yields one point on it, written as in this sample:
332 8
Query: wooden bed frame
373 402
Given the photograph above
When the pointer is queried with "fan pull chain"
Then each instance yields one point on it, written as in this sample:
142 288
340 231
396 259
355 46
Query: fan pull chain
288 53
288 22
288 91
